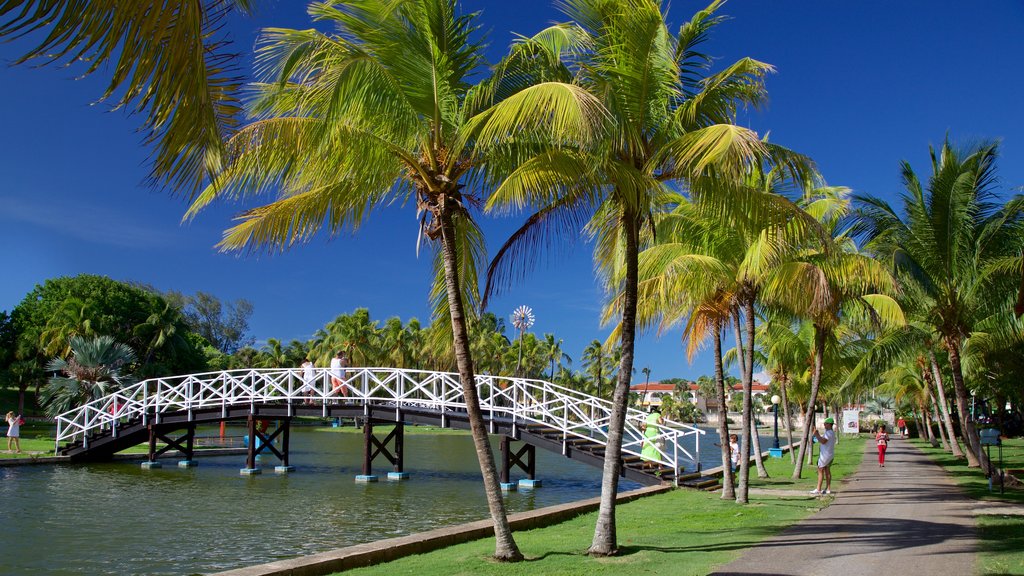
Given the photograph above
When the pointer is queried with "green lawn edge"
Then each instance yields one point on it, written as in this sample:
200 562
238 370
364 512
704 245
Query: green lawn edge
1001 536
682 532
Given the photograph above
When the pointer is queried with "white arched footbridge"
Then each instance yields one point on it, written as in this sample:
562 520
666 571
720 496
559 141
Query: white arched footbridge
537 412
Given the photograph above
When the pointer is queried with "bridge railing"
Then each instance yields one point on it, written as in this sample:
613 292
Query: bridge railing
573 413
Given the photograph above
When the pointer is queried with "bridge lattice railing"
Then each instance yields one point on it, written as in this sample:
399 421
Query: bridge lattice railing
573 413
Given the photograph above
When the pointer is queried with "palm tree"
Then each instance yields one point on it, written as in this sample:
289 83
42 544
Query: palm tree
92 371
828 282
668 123
958 244
273 355
594 361
170 62
552 350
73 318
381 111
162 330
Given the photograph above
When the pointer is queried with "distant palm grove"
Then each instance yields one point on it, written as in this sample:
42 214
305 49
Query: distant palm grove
613 127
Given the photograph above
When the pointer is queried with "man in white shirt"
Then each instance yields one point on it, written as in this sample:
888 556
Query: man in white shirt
827 453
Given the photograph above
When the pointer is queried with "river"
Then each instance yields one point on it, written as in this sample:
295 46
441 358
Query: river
116 518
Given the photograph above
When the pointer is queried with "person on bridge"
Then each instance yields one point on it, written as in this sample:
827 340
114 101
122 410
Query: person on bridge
651 429
14 431
882 440
338 373
308 377
826 454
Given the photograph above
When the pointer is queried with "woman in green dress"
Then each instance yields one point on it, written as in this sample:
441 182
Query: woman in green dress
652 428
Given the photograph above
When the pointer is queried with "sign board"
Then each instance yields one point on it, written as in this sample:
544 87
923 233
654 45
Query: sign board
851 421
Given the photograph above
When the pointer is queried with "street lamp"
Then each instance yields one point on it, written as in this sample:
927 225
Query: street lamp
775 403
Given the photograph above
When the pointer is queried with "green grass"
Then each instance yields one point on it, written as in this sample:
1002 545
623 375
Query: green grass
678 533
1001 536
848 457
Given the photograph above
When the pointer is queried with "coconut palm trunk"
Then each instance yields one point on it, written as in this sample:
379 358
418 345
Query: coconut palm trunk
742 355
947 420
819 356
728 490
748 379
783 382
505 545
972 442
605 541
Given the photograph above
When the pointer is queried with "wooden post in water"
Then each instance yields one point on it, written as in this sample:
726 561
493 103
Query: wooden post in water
367 475
250 459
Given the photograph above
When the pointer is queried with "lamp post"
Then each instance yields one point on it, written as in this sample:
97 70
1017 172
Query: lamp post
775 403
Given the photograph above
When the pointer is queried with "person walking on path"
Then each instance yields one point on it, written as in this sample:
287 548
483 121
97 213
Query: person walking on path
14 431
882 441
910 514
901 425
826 453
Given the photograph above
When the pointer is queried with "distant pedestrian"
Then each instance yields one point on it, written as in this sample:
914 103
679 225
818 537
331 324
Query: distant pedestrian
14 432
882 440
901 425
826 453
734 452
308 377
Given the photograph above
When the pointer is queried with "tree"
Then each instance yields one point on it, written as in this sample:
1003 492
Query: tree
667 123
827 282
380 111
88 305
959 244
93 370
169 61
552 350
223 325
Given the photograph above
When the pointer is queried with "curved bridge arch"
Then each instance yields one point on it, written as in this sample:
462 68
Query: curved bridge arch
539 412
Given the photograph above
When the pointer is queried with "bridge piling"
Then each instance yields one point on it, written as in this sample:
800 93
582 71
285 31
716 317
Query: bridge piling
373 447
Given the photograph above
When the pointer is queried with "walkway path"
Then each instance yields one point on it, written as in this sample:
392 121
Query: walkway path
908 517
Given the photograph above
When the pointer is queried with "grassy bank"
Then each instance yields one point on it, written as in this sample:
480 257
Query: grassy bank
1001 535
682 532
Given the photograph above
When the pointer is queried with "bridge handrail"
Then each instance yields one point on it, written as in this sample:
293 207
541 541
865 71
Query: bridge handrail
575 414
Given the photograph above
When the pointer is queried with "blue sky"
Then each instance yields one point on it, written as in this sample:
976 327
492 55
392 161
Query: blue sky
859 87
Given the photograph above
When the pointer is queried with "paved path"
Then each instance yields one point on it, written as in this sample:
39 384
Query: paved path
907 518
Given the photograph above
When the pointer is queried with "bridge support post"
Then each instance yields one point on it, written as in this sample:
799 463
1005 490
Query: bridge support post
367 475
152 462
285 427
373 447
190 446
250 457
525 459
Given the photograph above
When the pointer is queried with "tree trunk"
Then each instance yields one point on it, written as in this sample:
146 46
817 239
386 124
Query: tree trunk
744 358
944 406
819 355
972 441
728 490
605 542
748 377
505 545
926 412
786 418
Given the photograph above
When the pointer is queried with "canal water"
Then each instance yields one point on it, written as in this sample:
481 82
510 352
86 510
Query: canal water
116 518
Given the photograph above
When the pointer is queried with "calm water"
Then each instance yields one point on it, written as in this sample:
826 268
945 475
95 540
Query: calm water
116 518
